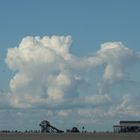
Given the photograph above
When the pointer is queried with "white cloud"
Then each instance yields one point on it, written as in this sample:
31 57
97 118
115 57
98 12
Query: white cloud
48 76
41 74
116 58
98 99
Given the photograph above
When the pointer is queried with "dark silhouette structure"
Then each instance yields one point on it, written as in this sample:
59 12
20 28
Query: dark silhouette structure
73 130
46 127
127 126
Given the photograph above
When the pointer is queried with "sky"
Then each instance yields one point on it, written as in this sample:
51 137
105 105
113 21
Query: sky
73 63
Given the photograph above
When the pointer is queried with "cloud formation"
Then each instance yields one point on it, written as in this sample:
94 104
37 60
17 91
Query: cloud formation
49 78
48 75
116 58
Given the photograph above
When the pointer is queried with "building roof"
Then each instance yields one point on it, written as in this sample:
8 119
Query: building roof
129 122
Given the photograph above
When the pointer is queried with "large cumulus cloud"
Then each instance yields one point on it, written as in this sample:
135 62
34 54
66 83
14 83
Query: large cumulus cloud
43 74
48 75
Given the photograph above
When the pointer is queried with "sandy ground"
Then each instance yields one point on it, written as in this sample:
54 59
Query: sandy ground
66 136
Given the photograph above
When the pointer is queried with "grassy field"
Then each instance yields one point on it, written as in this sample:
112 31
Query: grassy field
66 136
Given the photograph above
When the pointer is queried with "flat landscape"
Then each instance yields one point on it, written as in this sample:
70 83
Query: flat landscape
71 136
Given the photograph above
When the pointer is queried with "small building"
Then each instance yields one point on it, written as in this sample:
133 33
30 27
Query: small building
73 130
127 126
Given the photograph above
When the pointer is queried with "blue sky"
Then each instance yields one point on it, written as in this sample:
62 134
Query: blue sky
89 22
